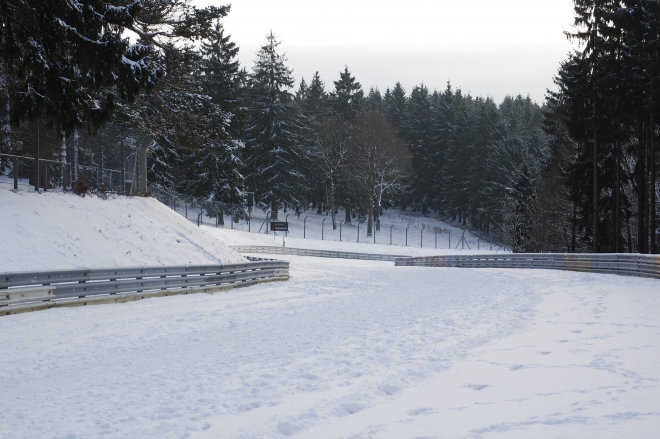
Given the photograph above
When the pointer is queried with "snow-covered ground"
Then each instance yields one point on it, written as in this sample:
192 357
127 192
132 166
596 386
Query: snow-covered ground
55 230
237 237
346 349
427 232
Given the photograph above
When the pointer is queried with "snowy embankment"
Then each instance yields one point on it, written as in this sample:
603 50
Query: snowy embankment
346 349
54 230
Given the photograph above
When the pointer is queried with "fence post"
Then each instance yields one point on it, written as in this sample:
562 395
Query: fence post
122 173
421 238
373 230
249 223
286 218
305 227
342 222
186 209
478 245
391 233
45 177
15 173
322 228
358 238
407 235
436 238
450 240
37 175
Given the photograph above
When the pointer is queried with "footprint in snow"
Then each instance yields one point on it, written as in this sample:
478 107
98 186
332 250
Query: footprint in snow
476 386
545 353
389 390
421 411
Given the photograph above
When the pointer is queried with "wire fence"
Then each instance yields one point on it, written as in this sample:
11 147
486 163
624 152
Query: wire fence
54 174
307 226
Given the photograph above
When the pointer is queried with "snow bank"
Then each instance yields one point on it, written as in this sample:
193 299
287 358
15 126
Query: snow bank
55 230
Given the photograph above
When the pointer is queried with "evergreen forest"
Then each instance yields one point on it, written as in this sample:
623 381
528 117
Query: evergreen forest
576 173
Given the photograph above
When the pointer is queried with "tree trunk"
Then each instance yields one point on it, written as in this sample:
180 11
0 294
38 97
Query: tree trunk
617 240
574 228
63 158
74 158
595 183
653 249
370 221
273 209
641 192
332 205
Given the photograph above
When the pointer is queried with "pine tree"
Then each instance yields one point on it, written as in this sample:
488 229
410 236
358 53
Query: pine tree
273 140
395 105
214 168
71 60
347 98
416 130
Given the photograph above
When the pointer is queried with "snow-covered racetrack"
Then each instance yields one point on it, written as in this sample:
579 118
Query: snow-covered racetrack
346 349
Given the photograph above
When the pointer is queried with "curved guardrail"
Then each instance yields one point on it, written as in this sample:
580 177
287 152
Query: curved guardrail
102 285
317 253
617 263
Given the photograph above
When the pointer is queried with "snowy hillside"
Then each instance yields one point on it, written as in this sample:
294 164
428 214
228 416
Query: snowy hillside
54 230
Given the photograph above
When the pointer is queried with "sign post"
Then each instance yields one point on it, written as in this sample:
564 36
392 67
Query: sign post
280 226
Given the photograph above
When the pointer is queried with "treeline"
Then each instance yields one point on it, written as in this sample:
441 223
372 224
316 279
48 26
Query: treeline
237 137
576 174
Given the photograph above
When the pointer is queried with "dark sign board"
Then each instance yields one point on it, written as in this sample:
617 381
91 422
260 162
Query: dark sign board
279 226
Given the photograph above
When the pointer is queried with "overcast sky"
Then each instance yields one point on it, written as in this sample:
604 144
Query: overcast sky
485 47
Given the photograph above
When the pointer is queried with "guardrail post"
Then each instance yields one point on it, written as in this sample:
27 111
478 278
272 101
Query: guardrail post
322 228
407 235
391 233
249 223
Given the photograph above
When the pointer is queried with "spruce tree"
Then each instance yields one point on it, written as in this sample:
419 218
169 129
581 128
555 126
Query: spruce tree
273 139
347 98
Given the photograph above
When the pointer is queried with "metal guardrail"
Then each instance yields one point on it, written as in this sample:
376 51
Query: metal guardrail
317 253
81 283
624 264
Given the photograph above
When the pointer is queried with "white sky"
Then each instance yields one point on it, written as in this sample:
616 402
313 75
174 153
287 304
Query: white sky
485 47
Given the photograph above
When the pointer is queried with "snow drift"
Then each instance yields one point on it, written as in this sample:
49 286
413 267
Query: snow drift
55 230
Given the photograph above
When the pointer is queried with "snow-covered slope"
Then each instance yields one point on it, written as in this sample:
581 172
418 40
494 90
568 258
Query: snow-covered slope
54 230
